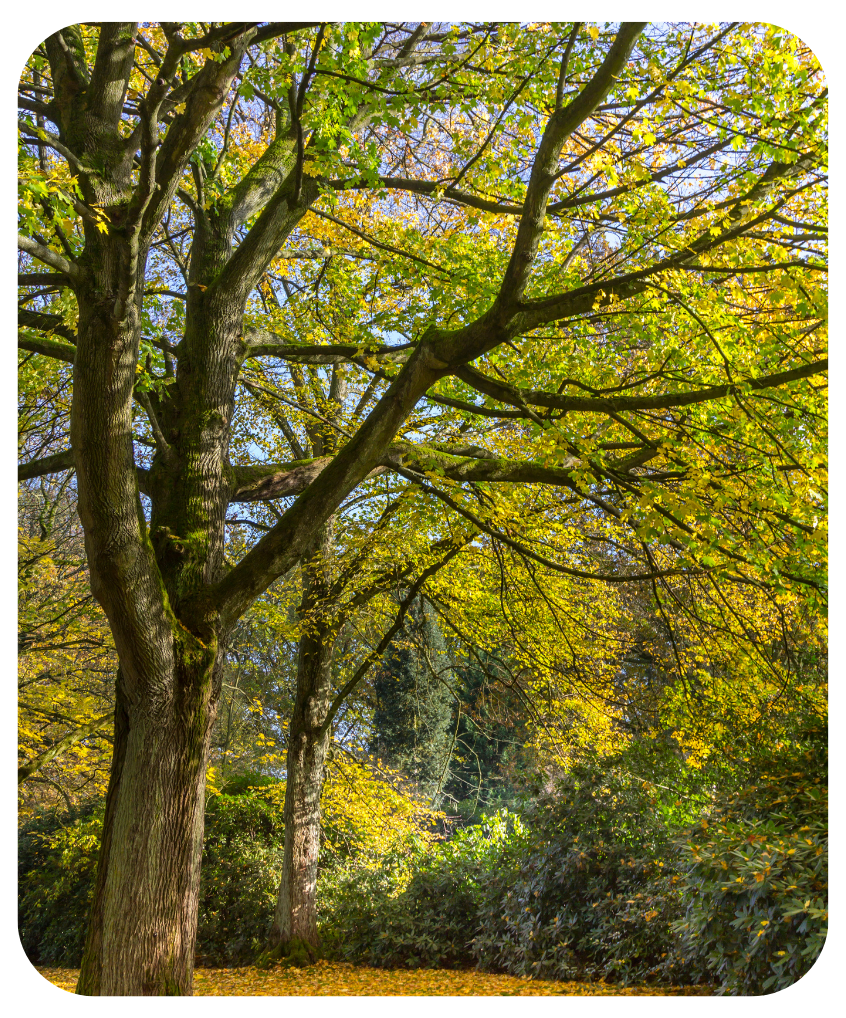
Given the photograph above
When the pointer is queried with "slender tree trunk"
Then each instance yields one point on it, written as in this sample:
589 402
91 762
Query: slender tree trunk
294 931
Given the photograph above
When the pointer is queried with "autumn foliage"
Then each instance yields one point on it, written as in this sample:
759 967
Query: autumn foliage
607 877
423 506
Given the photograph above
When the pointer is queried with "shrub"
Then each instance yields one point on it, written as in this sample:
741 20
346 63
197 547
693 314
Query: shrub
242 864
364 819
57 860
592 891
585 888
755 889
415 909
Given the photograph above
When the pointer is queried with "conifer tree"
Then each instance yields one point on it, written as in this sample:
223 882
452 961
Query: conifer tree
413 715
488 750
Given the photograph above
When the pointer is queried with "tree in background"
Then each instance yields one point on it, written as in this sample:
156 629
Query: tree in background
488 755
413 704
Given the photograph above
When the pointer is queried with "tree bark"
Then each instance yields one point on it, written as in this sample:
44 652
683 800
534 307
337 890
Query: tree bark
144 916
294 931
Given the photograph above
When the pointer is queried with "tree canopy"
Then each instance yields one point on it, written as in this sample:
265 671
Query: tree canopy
531 317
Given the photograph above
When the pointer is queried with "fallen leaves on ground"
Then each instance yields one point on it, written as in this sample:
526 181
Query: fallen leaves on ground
333 979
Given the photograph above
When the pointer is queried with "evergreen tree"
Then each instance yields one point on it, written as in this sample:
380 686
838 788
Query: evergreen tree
488 746
413 714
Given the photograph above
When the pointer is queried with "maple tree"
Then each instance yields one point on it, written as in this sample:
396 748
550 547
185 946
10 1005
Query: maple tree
455 297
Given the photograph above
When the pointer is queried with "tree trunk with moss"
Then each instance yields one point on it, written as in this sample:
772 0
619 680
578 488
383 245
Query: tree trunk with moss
143 924
143 927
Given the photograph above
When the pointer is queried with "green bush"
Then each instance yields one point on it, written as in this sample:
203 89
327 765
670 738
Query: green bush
417 910
586 888
592 891
755 884
593 880
244 784
242 865
57 860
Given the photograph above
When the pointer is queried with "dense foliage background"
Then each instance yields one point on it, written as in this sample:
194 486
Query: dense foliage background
692 876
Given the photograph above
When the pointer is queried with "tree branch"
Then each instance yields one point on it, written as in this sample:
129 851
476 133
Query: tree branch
259 345
48 465
541 559
51 324
48 256
62 746
505 393
48 348
560 126
383 644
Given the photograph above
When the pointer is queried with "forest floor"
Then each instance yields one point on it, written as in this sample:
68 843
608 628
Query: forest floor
333 979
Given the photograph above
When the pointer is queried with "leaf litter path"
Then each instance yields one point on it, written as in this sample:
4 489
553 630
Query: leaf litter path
333 979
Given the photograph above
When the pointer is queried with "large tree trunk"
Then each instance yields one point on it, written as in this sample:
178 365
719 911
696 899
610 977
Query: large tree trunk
144 915
155 581
143 921
294 931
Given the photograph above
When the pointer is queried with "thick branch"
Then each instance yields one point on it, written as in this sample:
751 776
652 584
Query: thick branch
54 324
263 343
48 465
48 348
264 482
505 393
48 256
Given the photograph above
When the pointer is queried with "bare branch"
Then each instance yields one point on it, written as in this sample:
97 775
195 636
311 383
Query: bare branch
48 465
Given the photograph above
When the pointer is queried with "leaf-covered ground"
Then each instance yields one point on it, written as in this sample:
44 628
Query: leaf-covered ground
331 979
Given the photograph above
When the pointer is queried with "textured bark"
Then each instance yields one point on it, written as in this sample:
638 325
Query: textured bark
296 914
144 916
151 584
295 921
143 921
